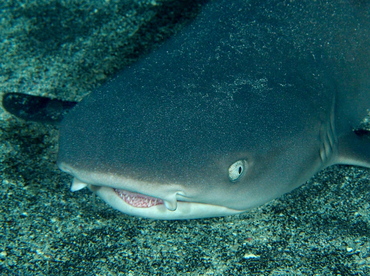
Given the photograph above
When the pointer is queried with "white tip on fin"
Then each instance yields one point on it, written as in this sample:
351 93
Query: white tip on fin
77 185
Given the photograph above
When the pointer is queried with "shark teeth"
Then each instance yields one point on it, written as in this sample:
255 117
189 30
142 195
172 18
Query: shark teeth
77 185
138 200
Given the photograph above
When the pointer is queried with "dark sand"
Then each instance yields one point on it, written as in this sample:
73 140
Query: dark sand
64 49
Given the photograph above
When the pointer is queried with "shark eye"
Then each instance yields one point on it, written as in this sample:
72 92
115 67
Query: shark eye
237 170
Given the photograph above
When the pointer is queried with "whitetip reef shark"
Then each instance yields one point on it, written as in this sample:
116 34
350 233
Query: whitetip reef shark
243 105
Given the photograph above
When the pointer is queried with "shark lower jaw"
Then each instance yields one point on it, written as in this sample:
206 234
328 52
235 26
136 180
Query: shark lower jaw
140 205
154 208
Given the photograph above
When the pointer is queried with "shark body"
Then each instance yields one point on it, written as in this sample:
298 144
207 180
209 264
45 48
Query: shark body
246 103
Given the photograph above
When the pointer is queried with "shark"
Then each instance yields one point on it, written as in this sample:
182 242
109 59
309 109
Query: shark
243 105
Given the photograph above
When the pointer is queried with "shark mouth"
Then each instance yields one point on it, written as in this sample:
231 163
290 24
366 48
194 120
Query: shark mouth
138 204
138 200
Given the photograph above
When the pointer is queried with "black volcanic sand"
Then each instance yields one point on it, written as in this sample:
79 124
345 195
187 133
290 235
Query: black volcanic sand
64 51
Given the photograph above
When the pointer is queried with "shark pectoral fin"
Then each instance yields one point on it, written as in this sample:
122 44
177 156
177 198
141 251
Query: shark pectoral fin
36 108
354 149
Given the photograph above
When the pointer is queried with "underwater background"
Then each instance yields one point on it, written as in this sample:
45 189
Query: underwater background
63 49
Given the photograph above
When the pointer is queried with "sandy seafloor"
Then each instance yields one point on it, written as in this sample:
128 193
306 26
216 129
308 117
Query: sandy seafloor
66 48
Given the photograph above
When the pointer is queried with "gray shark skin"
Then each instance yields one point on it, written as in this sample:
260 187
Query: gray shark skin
245 104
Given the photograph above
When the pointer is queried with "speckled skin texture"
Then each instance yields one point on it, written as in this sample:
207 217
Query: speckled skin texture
321 228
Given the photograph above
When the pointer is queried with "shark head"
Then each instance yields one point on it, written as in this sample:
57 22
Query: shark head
208 125
205 185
